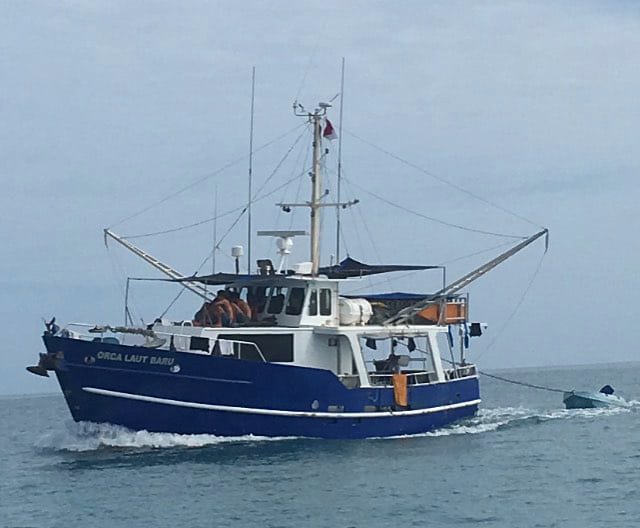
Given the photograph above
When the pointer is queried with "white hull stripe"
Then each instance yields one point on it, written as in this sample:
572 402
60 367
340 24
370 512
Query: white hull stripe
276 412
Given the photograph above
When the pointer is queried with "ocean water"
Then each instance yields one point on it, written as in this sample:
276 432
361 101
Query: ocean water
524 461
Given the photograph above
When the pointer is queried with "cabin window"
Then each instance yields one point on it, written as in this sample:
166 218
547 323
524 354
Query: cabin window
274 347
325 301
313 302
199 343
295 302
276 303
257 299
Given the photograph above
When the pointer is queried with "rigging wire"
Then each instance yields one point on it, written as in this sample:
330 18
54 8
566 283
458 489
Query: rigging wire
444 263
298 189
516 308
366 225
175 299
431 218
242 208
475 253
239 217
443 180
258 198
119 277
210 254
186 226
205 177
388 280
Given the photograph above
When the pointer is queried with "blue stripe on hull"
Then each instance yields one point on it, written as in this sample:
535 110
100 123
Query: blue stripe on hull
218 381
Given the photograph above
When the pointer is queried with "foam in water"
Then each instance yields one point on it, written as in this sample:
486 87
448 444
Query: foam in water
87 436
488 420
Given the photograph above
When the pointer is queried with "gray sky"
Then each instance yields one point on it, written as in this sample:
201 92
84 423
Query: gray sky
109 107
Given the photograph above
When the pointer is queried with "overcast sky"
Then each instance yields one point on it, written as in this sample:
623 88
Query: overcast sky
107 108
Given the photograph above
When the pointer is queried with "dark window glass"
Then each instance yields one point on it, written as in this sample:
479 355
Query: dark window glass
313 302
325 301
257 299
276 303
274 347
199 343
295 302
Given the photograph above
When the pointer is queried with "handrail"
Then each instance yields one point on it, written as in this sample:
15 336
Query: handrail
115 331
254 345
169 334
250 343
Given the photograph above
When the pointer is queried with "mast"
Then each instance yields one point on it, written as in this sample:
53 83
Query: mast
316 118
253 94
315 195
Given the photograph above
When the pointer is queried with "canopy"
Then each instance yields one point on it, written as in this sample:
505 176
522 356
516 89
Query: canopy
348 268
221 279
352 268
391 296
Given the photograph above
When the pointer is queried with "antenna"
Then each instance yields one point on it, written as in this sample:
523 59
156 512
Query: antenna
339 185
215 231
253 95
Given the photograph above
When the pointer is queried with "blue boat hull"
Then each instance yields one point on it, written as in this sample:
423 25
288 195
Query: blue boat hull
165 391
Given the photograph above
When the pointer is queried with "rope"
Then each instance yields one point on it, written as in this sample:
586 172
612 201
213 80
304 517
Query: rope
515 309
522 383
501 378
443 180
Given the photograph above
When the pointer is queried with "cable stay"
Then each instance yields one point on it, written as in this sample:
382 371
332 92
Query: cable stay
403 316
444 180
242 209
205 177
195 287
431 218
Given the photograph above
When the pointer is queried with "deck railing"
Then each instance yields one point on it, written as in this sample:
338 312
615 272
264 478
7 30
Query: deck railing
181 342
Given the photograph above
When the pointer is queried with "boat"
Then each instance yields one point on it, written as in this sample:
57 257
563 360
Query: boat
306 362
593 400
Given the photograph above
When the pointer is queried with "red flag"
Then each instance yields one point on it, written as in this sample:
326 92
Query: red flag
329 132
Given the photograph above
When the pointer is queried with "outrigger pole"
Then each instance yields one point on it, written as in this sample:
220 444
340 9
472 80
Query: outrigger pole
195 287
407 313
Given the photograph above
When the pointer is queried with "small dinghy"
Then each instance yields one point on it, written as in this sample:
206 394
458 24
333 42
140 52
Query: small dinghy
593 400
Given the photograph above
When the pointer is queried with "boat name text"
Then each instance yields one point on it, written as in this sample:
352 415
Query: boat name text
135 358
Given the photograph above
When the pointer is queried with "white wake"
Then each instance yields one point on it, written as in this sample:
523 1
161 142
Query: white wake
87 436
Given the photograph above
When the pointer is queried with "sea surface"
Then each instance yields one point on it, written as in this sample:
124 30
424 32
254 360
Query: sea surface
524 461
